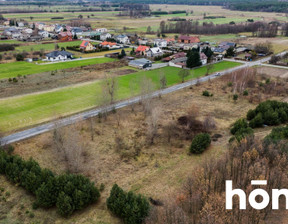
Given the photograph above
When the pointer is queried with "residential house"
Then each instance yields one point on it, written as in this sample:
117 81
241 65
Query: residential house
59 29
142 50
110 45
203 58
21 24
27 31
219 50
227 45
101 30
154 52
178 62
122 39
141 63
6 23
105 36
170 41
160 43
49 28
86 46
142 41
188 39
174 56
65 36
77 31
59 56
43 33
34 38
39 26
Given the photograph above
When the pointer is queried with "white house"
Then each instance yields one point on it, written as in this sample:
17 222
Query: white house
101 30
160 43
43 33
122 39
58 29
105 36
40 26
203 58
58 56
154 52
142 41
27 30
178 62
77 31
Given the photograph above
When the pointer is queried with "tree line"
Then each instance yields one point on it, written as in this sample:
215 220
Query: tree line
259 29
68 192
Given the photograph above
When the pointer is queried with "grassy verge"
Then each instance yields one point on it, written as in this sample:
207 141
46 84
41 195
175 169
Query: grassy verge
19 112
14 69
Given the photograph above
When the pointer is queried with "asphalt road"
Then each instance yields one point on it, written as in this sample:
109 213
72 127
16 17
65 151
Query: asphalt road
18 136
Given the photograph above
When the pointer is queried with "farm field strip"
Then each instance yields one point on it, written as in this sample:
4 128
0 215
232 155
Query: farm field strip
19 112
14 69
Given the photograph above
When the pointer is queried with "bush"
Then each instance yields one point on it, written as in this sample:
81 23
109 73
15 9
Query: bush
245 93
19 57
240 130
199 143
130 207
68 192
206 93
257 122
278 134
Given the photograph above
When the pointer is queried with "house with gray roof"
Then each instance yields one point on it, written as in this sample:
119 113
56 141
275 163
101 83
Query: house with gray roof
59 56
140 63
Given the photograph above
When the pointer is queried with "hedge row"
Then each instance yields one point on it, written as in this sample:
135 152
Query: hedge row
130 207
68 192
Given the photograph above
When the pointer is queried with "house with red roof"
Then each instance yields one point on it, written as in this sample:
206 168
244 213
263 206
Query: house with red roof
188 39
142 50
86 46
65 36
110 45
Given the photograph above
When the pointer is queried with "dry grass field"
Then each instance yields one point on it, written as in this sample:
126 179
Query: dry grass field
154 170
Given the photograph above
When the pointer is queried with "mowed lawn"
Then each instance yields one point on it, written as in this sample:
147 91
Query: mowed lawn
14 69
22 111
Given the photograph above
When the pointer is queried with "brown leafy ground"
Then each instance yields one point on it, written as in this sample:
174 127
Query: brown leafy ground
158 170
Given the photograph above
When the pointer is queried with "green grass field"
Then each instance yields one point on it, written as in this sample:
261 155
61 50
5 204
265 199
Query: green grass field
46 47
14 69
22 111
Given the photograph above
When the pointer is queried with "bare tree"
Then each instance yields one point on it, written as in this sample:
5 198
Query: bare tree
183 73
209 68
162 81
74 149
110 87
152 121
147 88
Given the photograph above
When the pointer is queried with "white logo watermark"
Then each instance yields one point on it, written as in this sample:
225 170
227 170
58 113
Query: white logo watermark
276 193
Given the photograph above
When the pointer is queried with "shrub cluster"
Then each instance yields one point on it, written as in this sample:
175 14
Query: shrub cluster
7 47
278 134
268 113
240 130
68 192
200 143
130 207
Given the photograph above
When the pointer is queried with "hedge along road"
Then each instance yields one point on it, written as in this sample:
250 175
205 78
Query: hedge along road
14 69
92 113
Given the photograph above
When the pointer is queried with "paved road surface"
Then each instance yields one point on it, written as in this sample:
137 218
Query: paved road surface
87 114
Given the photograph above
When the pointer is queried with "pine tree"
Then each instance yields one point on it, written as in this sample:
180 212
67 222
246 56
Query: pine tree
193 59
64 204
